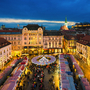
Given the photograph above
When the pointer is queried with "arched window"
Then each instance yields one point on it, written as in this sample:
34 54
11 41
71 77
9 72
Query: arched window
4 51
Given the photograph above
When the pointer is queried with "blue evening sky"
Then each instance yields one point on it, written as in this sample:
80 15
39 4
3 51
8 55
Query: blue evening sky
49 13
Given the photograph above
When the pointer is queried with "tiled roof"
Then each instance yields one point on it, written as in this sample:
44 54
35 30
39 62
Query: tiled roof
63 28
3 42
85 40
10 31
70 37
80 36
51 33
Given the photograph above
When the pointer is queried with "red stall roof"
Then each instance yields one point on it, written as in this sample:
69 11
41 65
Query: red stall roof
73 59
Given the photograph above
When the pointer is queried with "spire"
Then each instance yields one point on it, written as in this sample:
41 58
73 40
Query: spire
65 19
66 24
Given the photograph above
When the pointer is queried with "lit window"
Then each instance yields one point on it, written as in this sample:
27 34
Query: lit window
4 51
0 53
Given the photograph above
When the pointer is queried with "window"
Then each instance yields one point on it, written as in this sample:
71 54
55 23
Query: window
14 42
25 43
14 38
18 38
4 51
39 42
0 52
25 38
8 38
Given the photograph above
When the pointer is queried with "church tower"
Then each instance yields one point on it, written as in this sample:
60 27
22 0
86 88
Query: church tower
66 22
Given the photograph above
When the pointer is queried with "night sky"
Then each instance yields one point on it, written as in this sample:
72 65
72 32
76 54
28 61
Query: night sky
49 13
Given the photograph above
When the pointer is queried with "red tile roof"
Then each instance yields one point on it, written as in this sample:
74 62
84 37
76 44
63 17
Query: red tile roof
9 30
3 42
85 40
63 28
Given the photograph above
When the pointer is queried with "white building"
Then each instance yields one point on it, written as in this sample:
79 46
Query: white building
53 41
5 51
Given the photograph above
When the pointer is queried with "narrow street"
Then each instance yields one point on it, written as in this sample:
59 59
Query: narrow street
85 68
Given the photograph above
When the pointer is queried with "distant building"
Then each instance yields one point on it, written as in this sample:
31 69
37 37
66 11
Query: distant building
5 51
81 26
65 26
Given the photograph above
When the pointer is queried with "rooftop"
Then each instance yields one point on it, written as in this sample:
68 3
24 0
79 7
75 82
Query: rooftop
11 31
32 26
85 40
3 42
51 33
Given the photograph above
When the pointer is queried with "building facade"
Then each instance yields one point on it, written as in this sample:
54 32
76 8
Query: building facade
32 39
83 49
53 42
15 38
5 51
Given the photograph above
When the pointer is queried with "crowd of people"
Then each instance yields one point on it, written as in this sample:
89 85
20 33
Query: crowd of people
38 76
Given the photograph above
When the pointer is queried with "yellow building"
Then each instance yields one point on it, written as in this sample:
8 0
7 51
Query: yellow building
88 54
70 43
